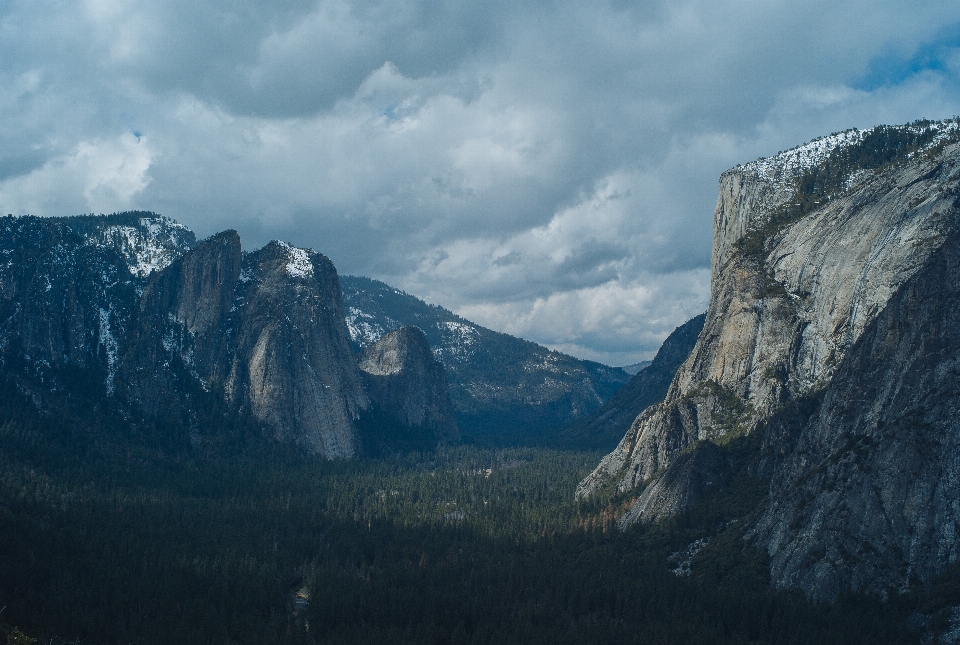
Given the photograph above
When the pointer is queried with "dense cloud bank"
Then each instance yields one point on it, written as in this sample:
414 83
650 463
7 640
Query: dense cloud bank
548 169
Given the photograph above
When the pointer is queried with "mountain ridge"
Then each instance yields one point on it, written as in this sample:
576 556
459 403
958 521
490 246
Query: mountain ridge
499 381
155 318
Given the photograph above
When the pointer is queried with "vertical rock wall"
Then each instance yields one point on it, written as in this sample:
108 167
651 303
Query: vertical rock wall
291 364
781 320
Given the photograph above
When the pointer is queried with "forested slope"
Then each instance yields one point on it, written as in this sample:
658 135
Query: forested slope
111 536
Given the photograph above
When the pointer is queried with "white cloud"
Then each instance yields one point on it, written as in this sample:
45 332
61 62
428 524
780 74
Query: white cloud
550 168
592 322
98 176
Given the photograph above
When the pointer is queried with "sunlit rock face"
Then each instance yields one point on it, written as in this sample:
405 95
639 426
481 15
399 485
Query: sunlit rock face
130 309
865 482
798 290
403 379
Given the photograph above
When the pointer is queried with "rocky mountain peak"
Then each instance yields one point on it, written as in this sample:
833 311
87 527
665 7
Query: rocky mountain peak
766 192
198 287
406 383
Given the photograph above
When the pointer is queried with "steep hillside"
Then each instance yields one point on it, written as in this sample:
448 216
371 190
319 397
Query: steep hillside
603 428
129 312
810 247
505 390
69 293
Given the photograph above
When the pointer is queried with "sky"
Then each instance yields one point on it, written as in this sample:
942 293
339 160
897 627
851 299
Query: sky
544 168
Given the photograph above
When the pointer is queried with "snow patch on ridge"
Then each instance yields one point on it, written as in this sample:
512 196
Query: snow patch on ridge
364 329
299 264
151 246
784 167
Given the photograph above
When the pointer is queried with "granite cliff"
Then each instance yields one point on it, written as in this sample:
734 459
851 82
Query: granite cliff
408 385
819 340
130 311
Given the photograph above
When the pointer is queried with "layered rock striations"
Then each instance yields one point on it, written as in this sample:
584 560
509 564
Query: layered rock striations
865 479
809 247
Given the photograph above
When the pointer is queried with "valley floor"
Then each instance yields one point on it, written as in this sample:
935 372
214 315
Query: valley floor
113 537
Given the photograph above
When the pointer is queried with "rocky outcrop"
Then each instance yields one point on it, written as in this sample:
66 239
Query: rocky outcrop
405 382
263 332
505 390
793 290
291 365
69 290
693 471
865 483
606 425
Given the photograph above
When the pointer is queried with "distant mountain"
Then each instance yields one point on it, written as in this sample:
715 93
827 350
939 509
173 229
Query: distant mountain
603 428
635 367
505 390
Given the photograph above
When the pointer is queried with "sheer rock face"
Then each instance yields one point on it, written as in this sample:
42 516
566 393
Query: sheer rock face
780 321
291 364
403 378
866 481
264 331
180 328
129 306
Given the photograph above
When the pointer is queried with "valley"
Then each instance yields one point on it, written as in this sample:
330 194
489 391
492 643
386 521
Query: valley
202 443
110 538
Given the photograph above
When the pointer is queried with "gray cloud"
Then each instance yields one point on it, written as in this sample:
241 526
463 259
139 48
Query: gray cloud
547 168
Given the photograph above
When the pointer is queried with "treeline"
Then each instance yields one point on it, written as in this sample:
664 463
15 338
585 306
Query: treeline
106 537
882 146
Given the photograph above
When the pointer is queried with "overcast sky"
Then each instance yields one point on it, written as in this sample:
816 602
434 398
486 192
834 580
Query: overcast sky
544 168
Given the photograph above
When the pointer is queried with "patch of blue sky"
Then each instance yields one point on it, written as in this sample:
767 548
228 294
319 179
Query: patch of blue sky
896 67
